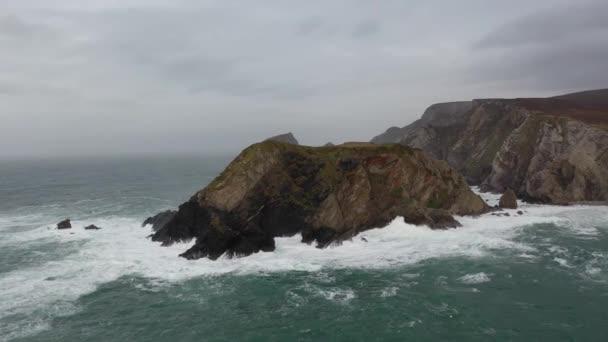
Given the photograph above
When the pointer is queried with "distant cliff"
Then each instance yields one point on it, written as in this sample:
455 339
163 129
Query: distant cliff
287 138
547 149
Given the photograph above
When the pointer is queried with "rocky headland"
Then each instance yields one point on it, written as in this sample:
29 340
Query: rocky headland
326 194
550 150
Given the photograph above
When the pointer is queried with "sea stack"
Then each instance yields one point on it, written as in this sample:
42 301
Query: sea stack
508 200
327 194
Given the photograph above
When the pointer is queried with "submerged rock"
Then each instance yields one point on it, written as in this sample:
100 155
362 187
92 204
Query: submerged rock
159 220
65 224
328 194
508 200
550 150
287 138
92 227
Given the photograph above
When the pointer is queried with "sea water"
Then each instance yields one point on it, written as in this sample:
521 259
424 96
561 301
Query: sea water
540 276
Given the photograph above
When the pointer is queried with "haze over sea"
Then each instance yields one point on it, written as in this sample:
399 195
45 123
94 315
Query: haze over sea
542 275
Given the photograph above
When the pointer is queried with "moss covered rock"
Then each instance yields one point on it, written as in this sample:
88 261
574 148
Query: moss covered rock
327 194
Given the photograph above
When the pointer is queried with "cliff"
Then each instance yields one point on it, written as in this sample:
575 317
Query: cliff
551 150
327 194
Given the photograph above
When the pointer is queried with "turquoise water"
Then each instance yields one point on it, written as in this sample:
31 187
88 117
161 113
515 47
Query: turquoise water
542 276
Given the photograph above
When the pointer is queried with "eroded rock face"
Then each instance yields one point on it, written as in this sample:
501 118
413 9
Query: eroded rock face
327 194
508 200
552 150
553 159
65 224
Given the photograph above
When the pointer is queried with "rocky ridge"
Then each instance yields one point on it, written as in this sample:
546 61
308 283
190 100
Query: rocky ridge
328 194
552 150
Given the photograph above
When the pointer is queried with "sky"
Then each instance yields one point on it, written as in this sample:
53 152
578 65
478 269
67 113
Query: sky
129 77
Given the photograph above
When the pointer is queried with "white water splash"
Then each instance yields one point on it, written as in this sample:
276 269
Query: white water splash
121 248
476 278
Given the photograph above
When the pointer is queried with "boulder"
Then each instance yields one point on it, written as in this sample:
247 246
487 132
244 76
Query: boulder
65 224
508 200
92 227
326 194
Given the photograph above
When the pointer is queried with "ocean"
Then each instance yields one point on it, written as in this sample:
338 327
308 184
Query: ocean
540 276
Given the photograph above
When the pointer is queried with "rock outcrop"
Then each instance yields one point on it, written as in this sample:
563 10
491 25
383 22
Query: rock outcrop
508 200
92 227
65 224
159 220
328 194
552 150
287 138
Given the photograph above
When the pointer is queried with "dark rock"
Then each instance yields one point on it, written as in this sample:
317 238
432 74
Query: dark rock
520 213
508 200
92 227
159 220
65 224
328 194
433 218
287 138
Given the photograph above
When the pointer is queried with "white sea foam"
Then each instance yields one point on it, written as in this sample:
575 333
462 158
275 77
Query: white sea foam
563 262
476 278
121 248
389 292
339 295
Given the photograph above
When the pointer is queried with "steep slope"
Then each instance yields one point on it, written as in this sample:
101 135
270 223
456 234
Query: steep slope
546 149
327 194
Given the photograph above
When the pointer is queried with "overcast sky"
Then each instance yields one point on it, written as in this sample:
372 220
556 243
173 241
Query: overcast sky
158 76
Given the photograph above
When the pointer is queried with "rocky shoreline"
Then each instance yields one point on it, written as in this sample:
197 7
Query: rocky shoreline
540 150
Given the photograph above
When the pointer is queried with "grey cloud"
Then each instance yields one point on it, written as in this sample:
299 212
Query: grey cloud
554 24
366 28
309 25
173 76
13 27
556 49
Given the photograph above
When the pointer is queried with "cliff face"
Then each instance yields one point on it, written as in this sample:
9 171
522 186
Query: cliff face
327 194
553 159
424 130
546 149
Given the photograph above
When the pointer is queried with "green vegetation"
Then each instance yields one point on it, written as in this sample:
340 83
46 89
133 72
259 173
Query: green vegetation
438 200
